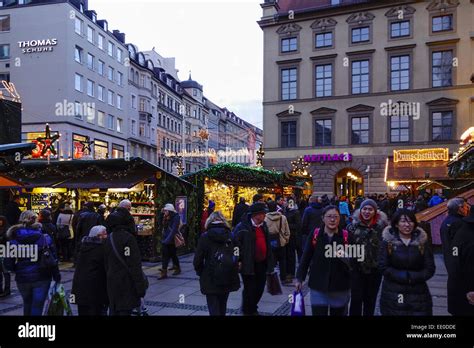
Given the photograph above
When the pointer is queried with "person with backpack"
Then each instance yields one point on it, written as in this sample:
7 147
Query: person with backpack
33 274
329 269
407 263
366 230
5 278
216 265
65 234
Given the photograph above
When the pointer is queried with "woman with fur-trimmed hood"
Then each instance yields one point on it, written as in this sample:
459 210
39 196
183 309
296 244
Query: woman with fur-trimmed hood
366 230
406 261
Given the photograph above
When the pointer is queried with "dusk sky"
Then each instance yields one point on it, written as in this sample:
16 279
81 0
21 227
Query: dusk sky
219 41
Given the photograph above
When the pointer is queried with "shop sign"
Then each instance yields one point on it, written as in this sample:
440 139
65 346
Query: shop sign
343 157
37 46
421 155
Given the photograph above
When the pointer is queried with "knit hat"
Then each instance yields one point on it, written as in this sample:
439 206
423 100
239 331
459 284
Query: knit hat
94 232
370 202
170 207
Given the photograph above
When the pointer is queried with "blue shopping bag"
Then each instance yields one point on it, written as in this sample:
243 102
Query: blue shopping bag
297 307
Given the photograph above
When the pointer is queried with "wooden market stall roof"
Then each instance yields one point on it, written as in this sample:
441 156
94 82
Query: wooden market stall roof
6 182
239 175
107 173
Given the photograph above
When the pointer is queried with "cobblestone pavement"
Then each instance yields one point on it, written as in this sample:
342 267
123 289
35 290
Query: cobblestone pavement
180 295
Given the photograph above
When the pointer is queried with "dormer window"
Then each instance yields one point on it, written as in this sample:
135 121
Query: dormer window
106 26
81 7
94 18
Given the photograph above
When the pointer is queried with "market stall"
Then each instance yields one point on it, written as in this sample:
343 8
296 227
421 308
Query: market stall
461 165
104 182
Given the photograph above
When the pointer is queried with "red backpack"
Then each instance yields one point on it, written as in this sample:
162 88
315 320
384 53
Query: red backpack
345 236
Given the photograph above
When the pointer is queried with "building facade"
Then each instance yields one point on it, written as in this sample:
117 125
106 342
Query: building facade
348 82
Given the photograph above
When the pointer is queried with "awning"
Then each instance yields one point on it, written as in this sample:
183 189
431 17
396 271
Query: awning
421 171
432 185
8 183
91 183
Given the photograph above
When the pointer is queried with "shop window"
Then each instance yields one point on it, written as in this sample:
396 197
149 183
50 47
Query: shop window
101 149
81 146
117 151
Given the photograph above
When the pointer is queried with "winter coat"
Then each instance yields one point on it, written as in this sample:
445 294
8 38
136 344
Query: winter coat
312 218
244 237
216 237
240 210
344 209
3 234
50 229
27 270
384 205
326 274
406 270
278 228
120 218
420 205
65 219
86 221
293 217
125 285
435 200
368 236
89 285
462 275
170 228
12 213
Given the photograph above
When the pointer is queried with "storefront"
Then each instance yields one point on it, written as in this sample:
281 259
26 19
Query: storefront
104 182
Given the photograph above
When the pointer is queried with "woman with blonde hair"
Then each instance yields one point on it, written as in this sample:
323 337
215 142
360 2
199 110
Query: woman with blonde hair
216 264
33 278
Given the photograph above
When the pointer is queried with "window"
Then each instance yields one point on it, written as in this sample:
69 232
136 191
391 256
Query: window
101 149
141 130
288 134
442 68
142 80
134 127
324 40
442 125
142 106
324 80
400 73
119 101
361 34
119 78
78 82
90 61
4 51
90 34
101 93
5 77
78 54
360 130
194 92
117 151
110 97
110 49
119 125
110 122
5 23
111 73
323 132
119 55
78 25
100 41
100 118
289 44
442 23
100 68
360 76
399 29
134 102
78 110
90 88
399 129
289 82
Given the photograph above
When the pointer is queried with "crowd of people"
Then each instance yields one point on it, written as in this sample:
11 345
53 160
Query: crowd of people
348 250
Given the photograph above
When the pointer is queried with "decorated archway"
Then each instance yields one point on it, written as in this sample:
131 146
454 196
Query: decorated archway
349 182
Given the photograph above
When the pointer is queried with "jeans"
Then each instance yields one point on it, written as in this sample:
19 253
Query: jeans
364 289
254 285
291 256
34 295
169 252
92 310
279 256
217 304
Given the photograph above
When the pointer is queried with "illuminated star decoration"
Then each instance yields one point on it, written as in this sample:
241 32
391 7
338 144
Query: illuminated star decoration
203 134
86 146
47 142
260 155
299 167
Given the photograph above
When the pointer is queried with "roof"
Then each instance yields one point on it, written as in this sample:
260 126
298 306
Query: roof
307 5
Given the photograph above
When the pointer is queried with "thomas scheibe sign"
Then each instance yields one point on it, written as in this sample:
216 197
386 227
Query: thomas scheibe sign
37 46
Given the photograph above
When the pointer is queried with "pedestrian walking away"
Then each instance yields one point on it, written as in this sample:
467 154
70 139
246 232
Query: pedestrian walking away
171 222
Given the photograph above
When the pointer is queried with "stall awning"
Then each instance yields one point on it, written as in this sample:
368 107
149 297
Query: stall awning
416 171
8 183
86 183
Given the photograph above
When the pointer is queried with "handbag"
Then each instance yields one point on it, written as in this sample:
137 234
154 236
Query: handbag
46 258
297 307
273 284
179 240
57 302
145 278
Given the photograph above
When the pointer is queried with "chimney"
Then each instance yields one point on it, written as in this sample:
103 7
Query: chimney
119 36
270 9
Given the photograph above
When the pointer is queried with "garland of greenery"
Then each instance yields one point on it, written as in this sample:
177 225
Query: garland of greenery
463 167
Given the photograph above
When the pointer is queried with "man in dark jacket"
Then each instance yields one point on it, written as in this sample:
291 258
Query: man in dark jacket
255 256
240 210
88 219
12 211
89 285
122 214
126 283
294 222
171 221
312 218
457 209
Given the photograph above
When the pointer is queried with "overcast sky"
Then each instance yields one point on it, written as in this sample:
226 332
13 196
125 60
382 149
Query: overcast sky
218 40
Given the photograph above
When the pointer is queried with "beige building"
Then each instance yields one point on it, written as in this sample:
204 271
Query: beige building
352 81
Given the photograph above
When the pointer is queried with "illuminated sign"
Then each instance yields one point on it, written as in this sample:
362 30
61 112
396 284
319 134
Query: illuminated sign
420 155
37 46
343 157
12 92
